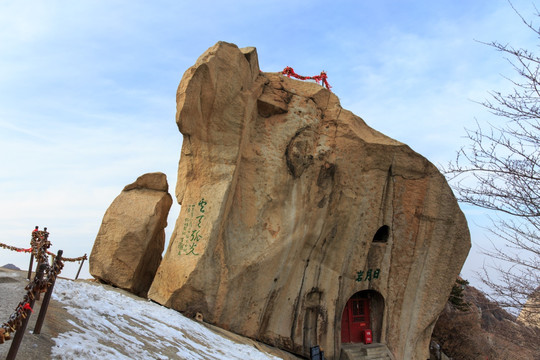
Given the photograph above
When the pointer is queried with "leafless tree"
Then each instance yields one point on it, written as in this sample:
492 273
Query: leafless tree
499 170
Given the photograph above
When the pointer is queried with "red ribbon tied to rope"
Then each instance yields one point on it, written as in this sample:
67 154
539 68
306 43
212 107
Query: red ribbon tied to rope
27 307
289 71
24 250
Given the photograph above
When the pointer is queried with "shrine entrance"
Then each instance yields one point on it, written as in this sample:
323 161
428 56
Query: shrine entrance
363 311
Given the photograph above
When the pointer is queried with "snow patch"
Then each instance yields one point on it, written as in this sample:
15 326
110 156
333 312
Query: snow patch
115 326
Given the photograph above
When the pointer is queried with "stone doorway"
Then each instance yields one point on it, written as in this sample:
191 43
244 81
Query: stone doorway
363 311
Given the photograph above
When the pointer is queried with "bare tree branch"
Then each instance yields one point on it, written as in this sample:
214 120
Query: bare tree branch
499 170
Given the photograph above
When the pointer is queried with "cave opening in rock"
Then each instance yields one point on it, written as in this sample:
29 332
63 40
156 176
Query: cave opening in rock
382 234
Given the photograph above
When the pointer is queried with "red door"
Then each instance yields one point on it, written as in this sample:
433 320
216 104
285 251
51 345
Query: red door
355 319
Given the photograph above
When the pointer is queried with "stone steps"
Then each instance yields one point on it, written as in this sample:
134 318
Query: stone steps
365 352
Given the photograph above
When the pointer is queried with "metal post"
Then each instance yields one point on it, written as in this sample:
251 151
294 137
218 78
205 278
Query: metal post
80 267
46 299
31 264
17 339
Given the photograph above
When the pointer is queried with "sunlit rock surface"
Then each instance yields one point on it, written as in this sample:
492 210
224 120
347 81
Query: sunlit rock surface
127 250
282 194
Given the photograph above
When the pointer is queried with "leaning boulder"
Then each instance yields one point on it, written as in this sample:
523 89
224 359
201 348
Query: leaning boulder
301 225
128 247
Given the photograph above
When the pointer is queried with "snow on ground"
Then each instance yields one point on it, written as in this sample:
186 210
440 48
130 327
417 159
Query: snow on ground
111 325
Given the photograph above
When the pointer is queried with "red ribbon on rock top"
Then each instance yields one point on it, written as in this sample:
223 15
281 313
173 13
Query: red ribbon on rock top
289 71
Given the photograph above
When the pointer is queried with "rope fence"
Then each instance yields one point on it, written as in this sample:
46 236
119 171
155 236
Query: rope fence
80 258
13 248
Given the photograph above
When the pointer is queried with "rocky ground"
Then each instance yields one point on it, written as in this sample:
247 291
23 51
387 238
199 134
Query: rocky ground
12 283
90 320
484 331
107 323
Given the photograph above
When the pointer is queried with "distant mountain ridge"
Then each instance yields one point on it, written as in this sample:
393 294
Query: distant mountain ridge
11 267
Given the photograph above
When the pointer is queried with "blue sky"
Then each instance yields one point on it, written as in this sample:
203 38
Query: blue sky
87 89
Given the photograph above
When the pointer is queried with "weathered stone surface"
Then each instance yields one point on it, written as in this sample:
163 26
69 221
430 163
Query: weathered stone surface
282 194
530 313
151 181
128 247
484 331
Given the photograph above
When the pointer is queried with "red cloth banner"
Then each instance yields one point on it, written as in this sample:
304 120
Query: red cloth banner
289 71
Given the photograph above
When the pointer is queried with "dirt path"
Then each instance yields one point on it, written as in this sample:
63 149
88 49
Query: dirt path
12 283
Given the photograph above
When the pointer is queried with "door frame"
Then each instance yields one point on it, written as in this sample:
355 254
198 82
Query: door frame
373 303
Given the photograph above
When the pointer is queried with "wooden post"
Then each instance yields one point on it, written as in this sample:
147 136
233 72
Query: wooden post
20 331
46 299
30 266
39 266
80 267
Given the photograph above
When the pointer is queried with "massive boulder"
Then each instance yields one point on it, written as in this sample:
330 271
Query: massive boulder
131 239
291 205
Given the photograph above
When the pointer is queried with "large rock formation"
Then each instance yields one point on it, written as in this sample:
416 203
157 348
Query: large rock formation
128 247
291 205
530 313
484 331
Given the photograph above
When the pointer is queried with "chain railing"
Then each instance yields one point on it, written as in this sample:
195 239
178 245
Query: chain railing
43 282
33 253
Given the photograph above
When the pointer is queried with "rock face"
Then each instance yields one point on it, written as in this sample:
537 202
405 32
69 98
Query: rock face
295 212
484 331
128 247
530 313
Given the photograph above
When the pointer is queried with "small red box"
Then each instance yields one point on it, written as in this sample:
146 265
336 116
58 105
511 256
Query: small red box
368 338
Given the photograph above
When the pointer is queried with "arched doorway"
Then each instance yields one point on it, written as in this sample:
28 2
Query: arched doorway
363 311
